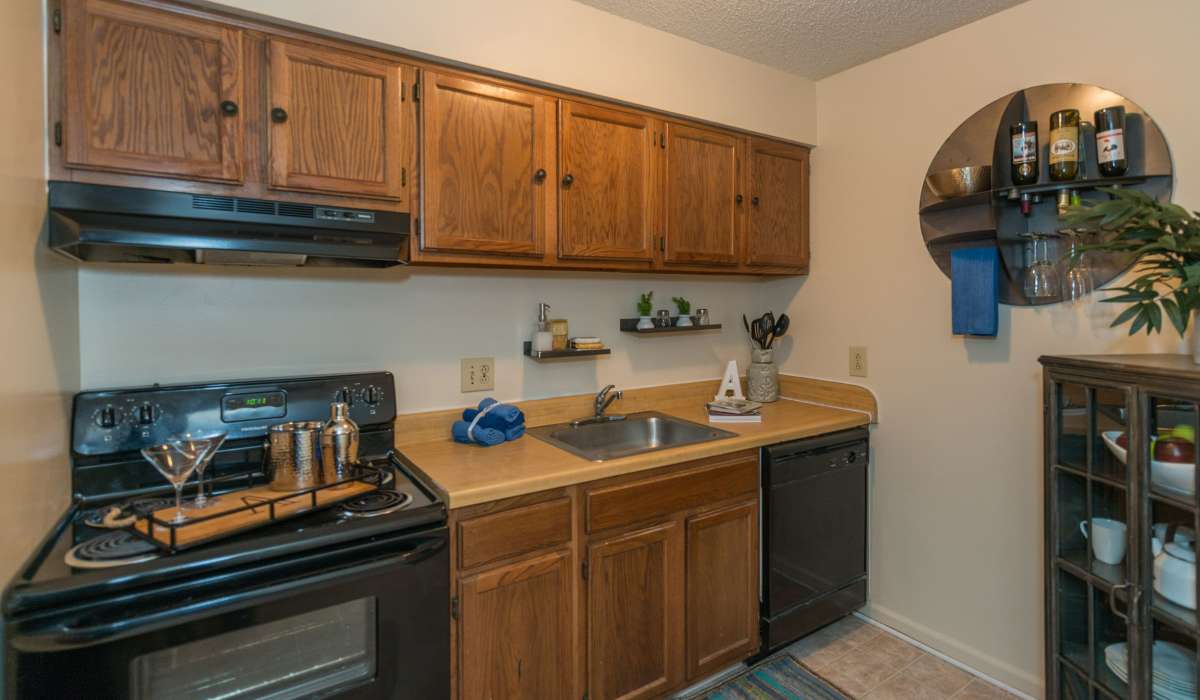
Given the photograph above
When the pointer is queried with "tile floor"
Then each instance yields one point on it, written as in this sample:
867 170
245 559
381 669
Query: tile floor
866 662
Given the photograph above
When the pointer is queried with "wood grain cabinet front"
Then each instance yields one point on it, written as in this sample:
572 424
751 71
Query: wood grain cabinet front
515 630
148 91
338 121
486 175
777 224
608 194
702 197
722 588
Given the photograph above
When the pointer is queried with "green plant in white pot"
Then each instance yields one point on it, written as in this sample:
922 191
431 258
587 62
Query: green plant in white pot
644 306
1164 241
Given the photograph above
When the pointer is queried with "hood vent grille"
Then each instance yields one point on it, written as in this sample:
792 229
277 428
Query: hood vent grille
256 206
304 211
261 207
212 203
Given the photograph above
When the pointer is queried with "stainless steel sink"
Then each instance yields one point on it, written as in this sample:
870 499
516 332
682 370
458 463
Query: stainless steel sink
638 433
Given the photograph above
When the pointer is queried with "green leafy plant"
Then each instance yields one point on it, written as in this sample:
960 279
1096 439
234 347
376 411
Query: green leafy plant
1164 240
645 304
682 304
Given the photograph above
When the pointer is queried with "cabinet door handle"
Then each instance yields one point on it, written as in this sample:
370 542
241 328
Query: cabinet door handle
568 179
754 201
540 175
279 115
229 107
1134 594
738 199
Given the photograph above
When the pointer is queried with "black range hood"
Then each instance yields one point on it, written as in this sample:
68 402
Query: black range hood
98 223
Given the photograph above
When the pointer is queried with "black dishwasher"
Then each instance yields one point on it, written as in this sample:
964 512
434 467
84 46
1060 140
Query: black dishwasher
814 528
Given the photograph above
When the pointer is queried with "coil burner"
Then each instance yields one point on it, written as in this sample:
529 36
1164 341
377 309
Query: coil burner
116 548
370 505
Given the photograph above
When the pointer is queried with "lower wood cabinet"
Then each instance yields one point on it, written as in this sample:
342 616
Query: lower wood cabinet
635 613
514 625
563 593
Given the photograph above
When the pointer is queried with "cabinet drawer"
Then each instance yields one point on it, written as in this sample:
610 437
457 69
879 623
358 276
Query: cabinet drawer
512 532
710 481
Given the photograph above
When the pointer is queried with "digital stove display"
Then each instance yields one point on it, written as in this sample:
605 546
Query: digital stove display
256 406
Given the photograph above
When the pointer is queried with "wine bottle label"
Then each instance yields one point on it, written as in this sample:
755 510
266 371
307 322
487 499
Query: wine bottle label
1064 145
1024 148
1110 145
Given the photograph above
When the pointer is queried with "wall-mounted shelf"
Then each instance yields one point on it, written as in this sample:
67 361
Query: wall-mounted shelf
561 354
1007 193
629 325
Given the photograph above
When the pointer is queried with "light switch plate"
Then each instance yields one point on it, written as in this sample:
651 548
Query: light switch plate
858 361
478 374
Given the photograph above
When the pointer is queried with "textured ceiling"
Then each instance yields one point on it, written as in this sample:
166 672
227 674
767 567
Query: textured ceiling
811 38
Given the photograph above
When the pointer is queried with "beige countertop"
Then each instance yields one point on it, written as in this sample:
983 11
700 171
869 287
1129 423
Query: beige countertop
470 474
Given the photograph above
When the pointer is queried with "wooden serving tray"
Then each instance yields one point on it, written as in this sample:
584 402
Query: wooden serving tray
238 511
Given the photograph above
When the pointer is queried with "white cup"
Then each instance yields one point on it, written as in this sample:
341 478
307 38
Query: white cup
1107 538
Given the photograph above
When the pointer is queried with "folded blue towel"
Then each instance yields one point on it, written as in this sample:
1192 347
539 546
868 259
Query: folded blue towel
482 436
501 417
974 291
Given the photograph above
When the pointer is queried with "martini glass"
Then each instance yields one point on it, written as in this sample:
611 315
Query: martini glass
176 466
201 447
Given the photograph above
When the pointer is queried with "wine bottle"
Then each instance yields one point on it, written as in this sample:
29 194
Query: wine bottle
1024 153
1110 141
1064 145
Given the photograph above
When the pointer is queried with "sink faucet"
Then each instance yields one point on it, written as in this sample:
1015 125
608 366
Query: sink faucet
603 400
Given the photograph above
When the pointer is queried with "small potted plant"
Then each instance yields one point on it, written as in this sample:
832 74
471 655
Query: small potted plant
644 306
685 308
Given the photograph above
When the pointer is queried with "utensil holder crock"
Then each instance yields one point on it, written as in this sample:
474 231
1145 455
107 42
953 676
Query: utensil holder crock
762 377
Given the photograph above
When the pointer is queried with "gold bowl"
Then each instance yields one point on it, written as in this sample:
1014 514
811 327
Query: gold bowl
959 182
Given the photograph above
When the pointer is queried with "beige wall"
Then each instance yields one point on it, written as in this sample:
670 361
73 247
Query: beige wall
41 346
956 518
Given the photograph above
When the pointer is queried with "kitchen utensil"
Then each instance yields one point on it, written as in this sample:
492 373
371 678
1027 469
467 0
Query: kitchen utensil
1107 537
959 182
339 444
295 455
1175 574
201 447
781 326
176 466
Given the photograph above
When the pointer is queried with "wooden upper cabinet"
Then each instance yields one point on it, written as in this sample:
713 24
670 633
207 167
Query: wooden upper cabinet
635 614
701 186
722 588
777 225
149 91
516 632
338 122
608 194
486 173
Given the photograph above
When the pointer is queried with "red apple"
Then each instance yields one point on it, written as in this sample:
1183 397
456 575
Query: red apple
1123 441
1173 449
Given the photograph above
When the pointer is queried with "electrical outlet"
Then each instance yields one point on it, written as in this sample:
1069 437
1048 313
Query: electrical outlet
858 361
478 374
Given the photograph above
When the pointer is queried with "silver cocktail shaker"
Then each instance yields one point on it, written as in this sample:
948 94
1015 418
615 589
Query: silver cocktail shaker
339 444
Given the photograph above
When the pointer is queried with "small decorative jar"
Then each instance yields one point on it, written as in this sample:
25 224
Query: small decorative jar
702 316
762 376
664 318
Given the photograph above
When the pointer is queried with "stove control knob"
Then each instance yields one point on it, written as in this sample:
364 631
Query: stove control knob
344 395
108 417
373 395
146 414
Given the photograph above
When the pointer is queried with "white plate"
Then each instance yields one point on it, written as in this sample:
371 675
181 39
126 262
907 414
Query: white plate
1174 668
1173 478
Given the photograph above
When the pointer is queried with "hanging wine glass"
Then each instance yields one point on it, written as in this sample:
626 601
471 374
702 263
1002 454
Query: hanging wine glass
1077 281
1041 278
176 466
201 447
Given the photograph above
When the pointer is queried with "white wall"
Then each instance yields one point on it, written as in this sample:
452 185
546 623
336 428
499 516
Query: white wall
143 324
957 511
40 307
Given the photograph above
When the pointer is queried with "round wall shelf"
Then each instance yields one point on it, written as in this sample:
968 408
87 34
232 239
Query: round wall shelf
994 218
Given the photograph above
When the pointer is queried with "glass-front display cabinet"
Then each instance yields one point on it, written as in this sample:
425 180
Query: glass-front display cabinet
1121 523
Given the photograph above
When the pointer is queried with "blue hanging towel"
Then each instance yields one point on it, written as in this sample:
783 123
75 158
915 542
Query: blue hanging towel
974 291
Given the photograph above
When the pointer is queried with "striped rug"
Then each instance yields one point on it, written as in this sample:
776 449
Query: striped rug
778 678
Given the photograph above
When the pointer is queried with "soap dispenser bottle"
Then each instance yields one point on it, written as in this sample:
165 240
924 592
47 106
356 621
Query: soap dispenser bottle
543 339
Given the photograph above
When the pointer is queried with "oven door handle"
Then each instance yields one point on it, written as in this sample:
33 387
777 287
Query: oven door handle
65 637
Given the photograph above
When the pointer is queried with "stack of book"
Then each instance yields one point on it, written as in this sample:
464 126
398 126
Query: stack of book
587 344
734 411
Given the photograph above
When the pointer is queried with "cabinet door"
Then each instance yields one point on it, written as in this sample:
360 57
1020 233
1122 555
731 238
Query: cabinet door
635 614
701 186
484 167
152 92
337 122
722 588
608 199
777 227
515 631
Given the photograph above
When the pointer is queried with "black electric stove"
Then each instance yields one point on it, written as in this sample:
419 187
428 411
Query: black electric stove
347 601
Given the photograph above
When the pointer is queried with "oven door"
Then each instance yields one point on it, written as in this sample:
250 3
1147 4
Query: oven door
367 620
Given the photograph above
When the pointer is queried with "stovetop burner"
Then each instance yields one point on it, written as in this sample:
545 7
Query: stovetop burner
111 549
124 514
370 505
